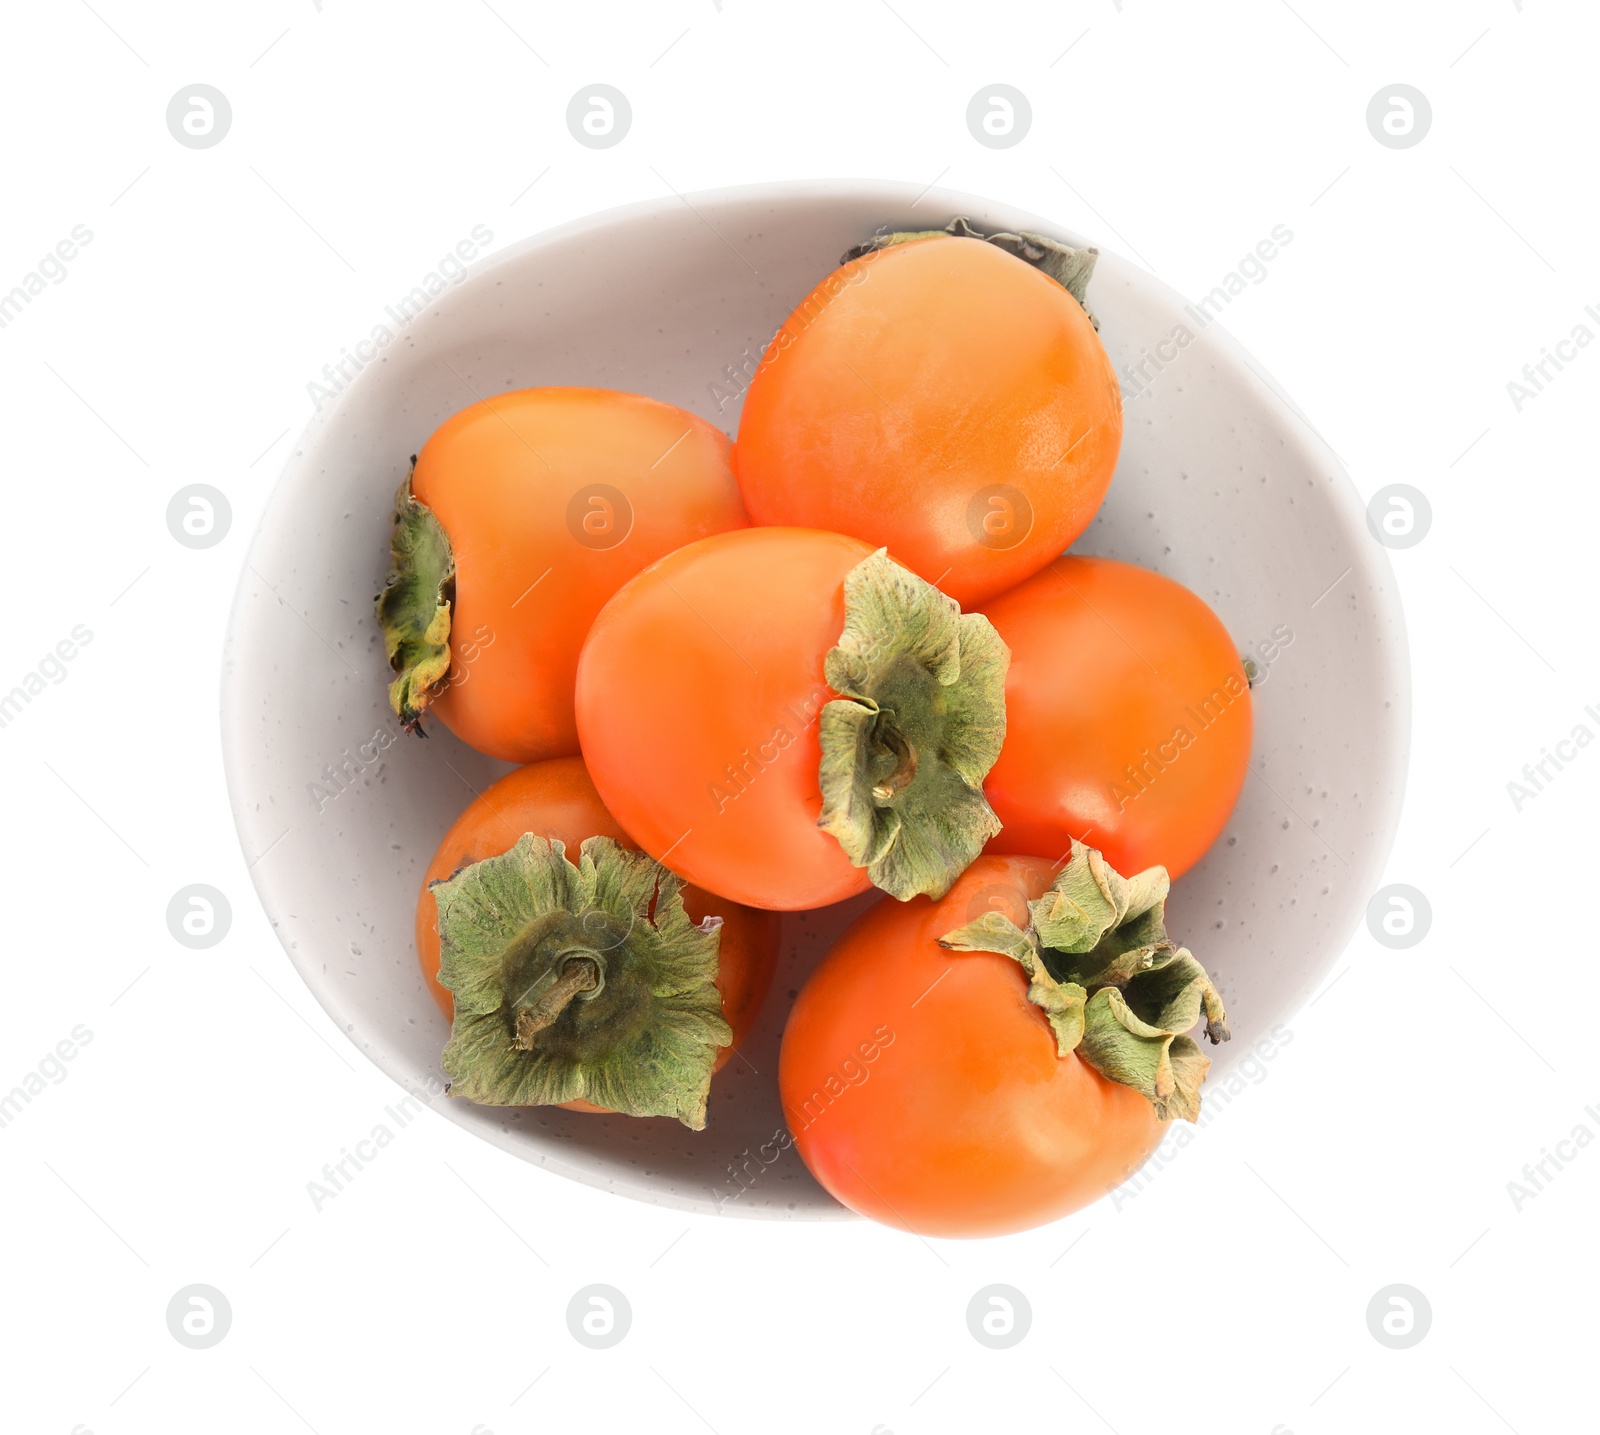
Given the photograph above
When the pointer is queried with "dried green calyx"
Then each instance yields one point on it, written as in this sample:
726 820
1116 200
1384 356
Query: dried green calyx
581 981
1115 989
1070 268
905 751
414 607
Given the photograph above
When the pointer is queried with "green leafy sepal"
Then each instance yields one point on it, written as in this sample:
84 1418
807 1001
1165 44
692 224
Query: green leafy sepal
1115 989
905 751
581 981
414 607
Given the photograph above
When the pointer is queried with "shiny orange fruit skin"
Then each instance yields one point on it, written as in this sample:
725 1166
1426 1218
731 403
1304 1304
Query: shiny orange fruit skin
552 499
924 1089
1128 717
698 696
911 399
556 799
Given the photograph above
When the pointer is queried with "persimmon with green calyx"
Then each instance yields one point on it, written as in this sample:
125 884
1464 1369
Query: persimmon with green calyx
556 803
1128 717
1001 1057
787 717
943 394
522 514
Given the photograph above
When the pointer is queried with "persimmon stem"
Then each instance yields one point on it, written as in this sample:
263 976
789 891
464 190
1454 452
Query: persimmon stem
580 974
905 755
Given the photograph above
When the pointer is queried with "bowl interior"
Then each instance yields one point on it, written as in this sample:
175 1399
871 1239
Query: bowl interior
1221 485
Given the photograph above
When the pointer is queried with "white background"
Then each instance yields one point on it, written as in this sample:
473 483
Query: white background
1230 1294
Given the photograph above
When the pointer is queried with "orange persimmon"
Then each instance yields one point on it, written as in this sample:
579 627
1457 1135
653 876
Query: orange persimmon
523 514
944 398
557 803
786 716
1128 717
1000 1057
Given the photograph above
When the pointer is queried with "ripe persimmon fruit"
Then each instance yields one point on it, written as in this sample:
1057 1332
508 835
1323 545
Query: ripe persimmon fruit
785 717
1001 1057
944 396
522 514
577 971
1128 717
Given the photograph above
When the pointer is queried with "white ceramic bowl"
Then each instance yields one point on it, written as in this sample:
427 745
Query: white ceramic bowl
1221 485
